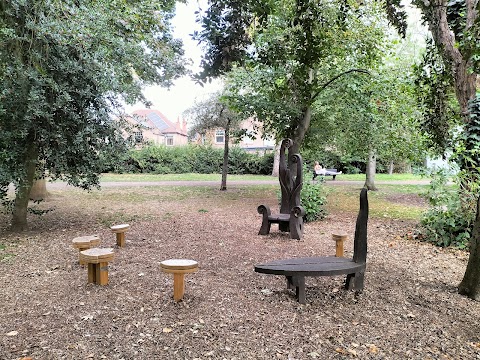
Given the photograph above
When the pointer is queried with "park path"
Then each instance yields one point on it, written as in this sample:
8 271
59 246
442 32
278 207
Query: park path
108 184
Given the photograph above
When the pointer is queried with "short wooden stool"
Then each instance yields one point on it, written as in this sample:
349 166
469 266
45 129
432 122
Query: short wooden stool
97 260
339 238
120 231
84 243
179 267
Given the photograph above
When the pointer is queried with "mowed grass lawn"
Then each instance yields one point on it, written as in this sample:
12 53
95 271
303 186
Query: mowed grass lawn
398 200
109 177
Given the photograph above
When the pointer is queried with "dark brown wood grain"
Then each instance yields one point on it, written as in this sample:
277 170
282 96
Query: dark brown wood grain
296 269
290 218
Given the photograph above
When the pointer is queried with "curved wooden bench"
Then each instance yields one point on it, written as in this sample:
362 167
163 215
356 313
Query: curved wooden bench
179 267
84 243
120 230
296 269
97 260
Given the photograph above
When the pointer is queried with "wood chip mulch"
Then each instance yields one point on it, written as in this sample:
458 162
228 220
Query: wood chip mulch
409 309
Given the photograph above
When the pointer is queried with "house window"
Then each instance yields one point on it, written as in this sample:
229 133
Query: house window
220 136
169 140
138 136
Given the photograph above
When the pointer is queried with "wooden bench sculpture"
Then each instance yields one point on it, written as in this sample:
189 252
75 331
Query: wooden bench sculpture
290 218
296 269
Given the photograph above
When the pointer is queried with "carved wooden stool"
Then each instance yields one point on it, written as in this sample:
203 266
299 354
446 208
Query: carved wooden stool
179 267
120 231
84 243
97 260
339 238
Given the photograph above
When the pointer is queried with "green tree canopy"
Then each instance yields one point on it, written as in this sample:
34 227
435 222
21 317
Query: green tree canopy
66 67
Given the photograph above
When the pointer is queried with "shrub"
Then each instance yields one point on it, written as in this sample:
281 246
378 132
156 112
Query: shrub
190 158
313 197
449 220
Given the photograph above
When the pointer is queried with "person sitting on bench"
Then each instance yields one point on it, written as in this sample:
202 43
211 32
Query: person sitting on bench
319 170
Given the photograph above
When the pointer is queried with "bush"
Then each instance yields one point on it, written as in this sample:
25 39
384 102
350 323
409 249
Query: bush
449 220
313 197
191 158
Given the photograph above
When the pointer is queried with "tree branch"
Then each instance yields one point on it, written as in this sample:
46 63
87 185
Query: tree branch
363 71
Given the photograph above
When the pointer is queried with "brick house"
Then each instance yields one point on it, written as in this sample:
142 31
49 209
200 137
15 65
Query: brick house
152 126
216 138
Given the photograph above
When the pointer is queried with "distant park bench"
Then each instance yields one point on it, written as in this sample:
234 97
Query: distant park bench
328 172
296 269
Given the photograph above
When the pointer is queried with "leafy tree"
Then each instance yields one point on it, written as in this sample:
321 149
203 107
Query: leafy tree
215 113
455 27
65 68
292 53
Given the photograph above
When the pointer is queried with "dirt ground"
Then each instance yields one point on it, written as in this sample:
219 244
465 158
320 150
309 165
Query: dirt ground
409 308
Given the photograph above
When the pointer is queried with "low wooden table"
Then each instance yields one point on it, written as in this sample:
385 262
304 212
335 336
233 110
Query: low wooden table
296 269
84 243
97 260
179 267
120 230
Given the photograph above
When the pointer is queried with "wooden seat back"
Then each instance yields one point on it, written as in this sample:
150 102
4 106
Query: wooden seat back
290 184
360 240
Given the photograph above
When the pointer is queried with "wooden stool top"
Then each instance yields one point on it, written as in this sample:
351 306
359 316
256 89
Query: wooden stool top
120 228
339 236
82 241
97 255
180 265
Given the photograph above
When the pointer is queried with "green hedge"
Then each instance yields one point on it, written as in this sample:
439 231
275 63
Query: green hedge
191 159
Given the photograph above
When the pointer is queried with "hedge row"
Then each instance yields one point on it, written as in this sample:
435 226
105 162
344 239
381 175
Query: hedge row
191 159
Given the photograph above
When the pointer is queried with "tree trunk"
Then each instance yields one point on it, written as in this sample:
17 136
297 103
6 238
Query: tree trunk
226 148
39 190
276 160
465 90
22 193
390 168
301 130
470 285
371 170
465 80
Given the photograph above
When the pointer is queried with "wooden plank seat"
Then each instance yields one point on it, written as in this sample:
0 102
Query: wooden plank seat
296 269
97 260
179 267
120 230
290 218
84 243
292 222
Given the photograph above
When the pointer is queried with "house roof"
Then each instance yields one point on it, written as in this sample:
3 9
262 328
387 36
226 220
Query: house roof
154 119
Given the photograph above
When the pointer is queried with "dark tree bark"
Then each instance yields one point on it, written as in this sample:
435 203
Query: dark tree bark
19 216
470 285
226 149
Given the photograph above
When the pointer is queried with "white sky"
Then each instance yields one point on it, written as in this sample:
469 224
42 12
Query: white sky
183 93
